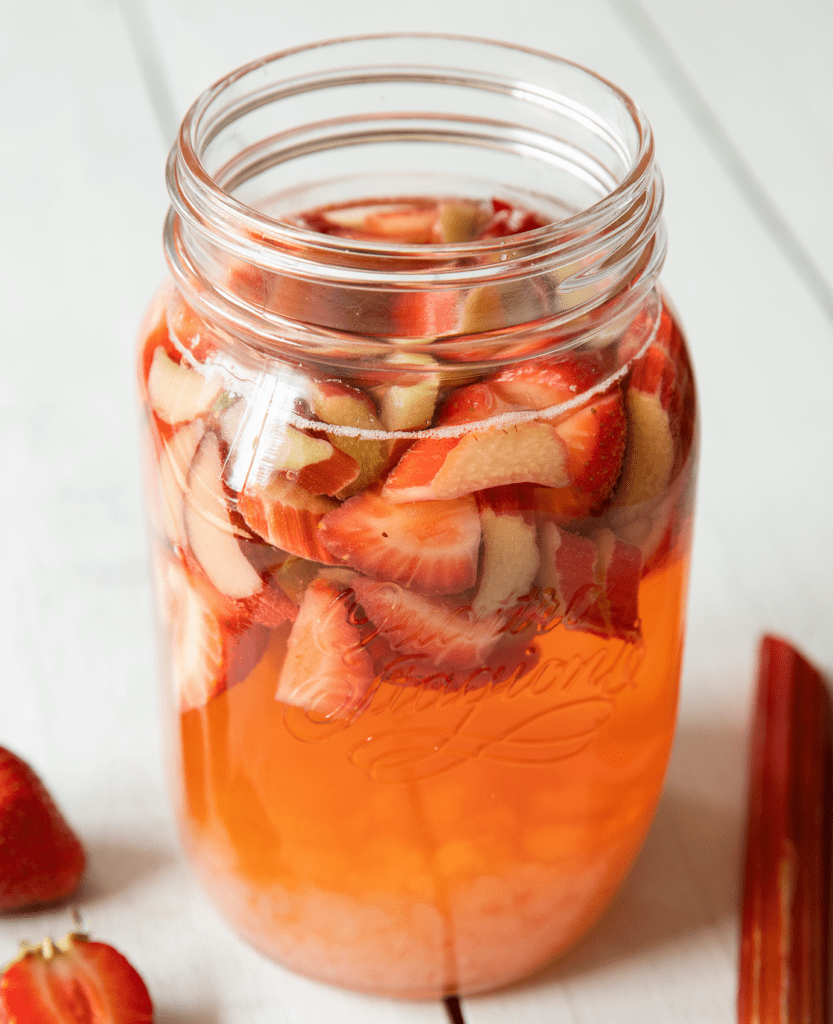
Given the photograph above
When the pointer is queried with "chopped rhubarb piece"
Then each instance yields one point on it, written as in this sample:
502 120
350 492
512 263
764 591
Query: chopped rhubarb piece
594 581
286 515
431 546
175 458
444 633
210 652
410 224
652 403
309 461
435 468
327 669
178 393
409 403
510 558
341 406
784 952
460 220
209 527
425 314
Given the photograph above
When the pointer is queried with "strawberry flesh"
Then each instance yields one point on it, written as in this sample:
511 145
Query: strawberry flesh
431 546
74 981
447 634
327 669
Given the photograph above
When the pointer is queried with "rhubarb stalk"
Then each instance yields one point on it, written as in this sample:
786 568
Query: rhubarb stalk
786 889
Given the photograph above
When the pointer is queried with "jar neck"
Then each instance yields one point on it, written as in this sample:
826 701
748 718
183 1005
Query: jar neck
381 116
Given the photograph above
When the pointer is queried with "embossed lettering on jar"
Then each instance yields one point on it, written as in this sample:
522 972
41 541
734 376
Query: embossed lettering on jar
421 440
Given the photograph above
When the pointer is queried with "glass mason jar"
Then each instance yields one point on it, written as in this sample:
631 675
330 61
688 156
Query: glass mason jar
421 446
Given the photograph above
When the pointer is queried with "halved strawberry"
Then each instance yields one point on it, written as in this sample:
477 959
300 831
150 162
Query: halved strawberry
73 981
212 534
444 633
287 516
210 650
431 546
327 669
593 580
436 468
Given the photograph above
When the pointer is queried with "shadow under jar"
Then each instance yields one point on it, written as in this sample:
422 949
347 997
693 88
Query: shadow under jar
421 445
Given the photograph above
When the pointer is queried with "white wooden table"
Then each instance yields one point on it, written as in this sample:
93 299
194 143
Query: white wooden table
739 94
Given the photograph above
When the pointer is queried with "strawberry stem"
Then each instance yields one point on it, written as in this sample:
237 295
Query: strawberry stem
786 889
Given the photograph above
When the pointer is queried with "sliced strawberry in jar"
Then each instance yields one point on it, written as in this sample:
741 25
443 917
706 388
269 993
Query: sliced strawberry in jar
544 383
327 669
594 581
436 468
210 652
595 437
444 633
287 516
211 531
431 546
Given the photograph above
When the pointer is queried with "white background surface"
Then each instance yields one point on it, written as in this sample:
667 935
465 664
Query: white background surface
739 94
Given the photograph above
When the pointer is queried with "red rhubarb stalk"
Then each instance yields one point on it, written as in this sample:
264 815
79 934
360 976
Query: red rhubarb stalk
786 889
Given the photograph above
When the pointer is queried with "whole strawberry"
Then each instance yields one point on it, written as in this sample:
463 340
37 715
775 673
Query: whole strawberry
41 859
73 981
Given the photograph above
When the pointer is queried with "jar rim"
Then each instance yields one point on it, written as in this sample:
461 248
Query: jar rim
190 140
612 245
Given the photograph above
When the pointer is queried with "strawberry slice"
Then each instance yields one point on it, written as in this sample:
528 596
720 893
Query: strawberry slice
210 651
543 383
41 858
327 669
445 634
431 546
594 581
73 981
595 437
436 468
287 516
